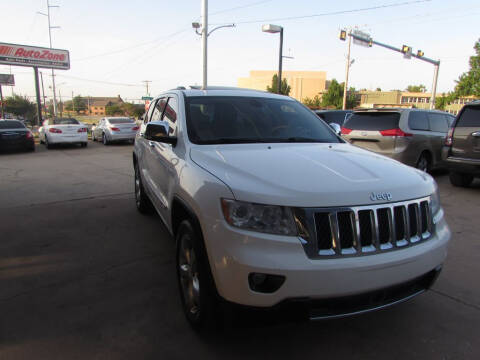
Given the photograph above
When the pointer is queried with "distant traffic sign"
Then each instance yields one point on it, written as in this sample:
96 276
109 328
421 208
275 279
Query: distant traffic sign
147 98
361 38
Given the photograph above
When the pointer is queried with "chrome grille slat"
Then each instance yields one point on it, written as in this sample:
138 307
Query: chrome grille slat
365 230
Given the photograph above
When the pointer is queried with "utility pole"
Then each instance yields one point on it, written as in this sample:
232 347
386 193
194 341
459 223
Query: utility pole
204 41
347 71
1 99
434 85
50 27
43 92
73 103
146 85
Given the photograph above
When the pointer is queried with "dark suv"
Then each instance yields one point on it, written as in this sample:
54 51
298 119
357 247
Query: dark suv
461 151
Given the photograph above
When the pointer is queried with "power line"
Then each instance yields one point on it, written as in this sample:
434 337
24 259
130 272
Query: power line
239 7
131 47
340 12
98 81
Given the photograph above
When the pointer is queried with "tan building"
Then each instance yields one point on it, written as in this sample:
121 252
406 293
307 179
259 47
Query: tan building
303 83
405 99
97 105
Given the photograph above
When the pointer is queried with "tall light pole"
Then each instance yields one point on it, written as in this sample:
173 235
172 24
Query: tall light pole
347 72
273 29
50 39
205 34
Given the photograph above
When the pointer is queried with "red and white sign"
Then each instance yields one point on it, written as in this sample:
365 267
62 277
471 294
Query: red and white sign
12 54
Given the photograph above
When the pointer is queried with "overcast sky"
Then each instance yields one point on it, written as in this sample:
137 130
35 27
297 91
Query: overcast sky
119 43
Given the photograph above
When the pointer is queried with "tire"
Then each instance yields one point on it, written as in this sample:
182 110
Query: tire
198 294
84 144
143 203
47 144
460 180
105 140
424 163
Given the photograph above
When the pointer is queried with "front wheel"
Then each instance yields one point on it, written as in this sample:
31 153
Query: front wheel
197 289
460 180
47 144
143 203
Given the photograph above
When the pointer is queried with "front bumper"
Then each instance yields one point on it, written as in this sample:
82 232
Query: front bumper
234 254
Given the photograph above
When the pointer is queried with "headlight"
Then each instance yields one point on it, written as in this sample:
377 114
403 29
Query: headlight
262 218
435 201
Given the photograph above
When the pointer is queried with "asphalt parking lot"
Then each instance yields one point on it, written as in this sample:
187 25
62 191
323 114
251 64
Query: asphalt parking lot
84 276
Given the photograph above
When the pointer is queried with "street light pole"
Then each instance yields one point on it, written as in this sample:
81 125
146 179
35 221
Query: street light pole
280 61
347 71
204 41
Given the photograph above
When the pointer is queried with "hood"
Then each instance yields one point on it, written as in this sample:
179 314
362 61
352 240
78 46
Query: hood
310 175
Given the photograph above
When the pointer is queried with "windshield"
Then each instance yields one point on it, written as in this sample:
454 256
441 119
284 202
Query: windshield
11 124
64 121
230 120
373 121
121 121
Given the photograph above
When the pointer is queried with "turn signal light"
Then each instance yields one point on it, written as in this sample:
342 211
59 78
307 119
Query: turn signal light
55 130
394 132
29 135
135 128
346 131
114 129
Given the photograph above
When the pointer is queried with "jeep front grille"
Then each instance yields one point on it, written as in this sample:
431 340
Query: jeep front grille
363 230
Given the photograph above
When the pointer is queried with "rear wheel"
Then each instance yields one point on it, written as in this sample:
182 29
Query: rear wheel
197 290
104 139
47 144
461 180
144 205
84 144
424 163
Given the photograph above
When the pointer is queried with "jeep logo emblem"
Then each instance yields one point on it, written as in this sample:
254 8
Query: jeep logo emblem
380 196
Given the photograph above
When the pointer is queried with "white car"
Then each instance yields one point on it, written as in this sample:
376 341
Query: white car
111 129
63 131
269 206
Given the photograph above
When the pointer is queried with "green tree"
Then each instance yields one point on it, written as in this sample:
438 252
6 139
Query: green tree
285 88
333 98
443 100
469 82
312 103
20 106
114 109
416 88
378 89
79 104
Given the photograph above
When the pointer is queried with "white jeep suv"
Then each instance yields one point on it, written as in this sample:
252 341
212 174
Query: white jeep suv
268 206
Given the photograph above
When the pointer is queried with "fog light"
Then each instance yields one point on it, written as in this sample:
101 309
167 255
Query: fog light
265 283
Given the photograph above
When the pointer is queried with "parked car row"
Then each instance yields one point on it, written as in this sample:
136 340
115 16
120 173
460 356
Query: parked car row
425 139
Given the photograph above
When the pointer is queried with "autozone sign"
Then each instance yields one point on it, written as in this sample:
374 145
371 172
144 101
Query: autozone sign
12 54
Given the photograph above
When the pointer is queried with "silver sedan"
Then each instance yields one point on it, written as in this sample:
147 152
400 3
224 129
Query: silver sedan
111 129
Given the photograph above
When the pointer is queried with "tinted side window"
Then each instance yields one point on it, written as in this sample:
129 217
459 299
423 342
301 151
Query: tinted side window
417 120
157 112
170 114
438 122
149 112
372 121
470 117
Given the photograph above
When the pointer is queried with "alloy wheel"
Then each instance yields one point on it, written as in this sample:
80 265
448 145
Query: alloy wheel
189 276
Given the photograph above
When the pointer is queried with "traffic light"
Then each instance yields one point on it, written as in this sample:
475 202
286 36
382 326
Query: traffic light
343 35
420 53
406 49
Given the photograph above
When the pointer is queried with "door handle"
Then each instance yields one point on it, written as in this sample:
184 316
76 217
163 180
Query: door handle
476 134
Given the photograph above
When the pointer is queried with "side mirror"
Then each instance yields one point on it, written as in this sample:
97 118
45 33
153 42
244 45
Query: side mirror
158 131
337 128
